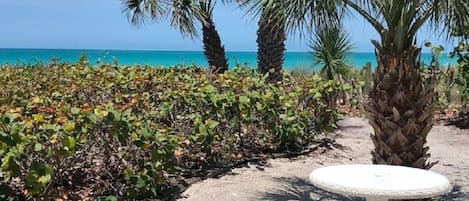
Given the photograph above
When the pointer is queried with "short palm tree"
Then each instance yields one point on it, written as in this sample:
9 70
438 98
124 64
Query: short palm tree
184 14
330 47
400 108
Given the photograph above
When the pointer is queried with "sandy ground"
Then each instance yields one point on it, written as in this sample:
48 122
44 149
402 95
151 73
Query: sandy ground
287 179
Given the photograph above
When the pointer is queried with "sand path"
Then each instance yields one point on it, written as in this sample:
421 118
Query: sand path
287 179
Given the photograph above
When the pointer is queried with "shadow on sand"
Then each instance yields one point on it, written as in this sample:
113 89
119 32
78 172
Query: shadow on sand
350 127
461 121
456 194
300 189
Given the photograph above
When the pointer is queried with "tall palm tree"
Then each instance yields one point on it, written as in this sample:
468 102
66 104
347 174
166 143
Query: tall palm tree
271 38
213 49
271 35
330 46
400 109
184 14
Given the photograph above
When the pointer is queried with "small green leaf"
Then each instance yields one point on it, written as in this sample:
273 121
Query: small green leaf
69 143
44 179
210 89
347 87
140 183
37 100
14 168
56 94
110 198
37 147
244 100
69 127
75 111
317 95
38 118
212 124
202 129
259 106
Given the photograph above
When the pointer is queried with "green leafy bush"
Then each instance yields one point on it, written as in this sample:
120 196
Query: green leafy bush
74 131
442 79
461 51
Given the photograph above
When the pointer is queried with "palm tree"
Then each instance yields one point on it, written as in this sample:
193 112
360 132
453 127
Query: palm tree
271 35
330 46
271 38
213 49
184 14
400 109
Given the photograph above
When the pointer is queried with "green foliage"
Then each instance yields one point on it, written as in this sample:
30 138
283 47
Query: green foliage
461 51
83 60
442 79
330 47
125 131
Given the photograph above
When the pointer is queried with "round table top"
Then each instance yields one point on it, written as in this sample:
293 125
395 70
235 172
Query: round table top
380 181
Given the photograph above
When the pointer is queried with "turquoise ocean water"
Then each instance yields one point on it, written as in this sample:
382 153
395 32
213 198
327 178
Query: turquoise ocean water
293 60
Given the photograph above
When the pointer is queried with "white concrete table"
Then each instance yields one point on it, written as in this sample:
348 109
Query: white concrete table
380 182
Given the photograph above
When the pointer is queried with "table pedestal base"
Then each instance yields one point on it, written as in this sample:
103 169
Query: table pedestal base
380 182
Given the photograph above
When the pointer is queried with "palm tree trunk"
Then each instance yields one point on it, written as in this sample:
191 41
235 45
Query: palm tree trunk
213 49
400 110
270 46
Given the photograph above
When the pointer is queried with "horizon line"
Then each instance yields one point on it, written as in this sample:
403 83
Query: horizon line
162 50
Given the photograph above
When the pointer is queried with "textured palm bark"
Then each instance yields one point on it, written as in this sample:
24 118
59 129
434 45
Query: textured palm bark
400 111
270 47
213 49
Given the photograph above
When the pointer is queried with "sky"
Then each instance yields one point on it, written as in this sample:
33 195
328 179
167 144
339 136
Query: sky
100 24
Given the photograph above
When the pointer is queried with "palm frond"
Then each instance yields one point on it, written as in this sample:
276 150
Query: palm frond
442 15
305 15
449 15
205 11
139 10
272 9
183 14
296 15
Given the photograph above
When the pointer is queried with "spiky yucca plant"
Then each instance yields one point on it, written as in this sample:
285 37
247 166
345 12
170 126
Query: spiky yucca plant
184 14
400 108
330 47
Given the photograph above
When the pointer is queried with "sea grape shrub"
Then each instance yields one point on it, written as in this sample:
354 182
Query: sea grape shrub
72 131
461 52
442 79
